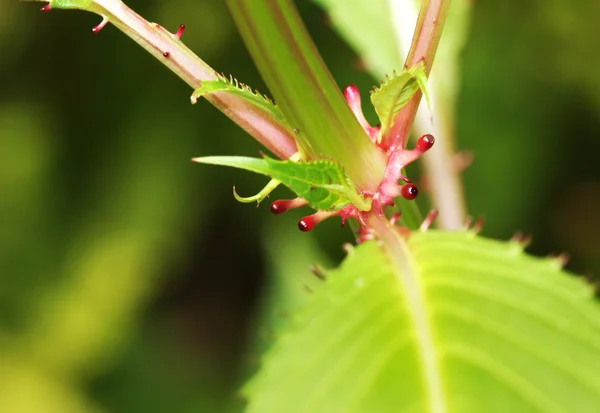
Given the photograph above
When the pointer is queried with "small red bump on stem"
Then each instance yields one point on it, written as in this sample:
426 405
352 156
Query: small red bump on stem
167 54
394 218
425 143
307 223
409 191
180 31
46 8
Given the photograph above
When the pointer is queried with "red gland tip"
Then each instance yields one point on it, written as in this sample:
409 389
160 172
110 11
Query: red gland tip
282 205
425 143
180 31
307 223
351 93
167 54
279 207
409 191
46 8
101 25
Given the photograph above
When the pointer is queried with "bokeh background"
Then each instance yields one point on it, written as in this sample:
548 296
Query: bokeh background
132 281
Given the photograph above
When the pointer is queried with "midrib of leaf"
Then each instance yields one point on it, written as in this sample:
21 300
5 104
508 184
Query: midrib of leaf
407 274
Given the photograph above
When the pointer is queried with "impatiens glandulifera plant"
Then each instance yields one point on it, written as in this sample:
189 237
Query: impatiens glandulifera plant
414 320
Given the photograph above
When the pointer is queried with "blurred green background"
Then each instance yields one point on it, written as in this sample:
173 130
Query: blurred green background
132 281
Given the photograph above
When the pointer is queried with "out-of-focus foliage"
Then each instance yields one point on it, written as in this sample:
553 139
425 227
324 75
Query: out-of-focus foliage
125 288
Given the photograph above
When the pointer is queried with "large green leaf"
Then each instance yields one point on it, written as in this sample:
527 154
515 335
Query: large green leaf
469 325
322 183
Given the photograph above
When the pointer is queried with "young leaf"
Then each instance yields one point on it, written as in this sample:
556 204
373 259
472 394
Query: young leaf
470 325
396 92
322 183
230 85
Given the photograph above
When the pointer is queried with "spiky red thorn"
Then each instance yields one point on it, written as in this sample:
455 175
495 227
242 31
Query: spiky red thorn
409 191
425 143
180 31
429 220
282 205
46 8
101 25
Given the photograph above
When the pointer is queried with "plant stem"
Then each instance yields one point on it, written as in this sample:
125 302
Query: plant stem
441 171
305 90
426 38
171 51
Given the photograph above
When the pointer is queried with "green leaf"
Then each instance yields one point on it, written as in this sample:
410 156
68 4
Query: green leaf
396 92
470 325
259 102
322 183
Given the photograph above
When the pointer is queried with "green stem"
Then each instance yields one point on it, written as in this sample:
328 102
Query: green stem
439 165
170 50
305 90
426 38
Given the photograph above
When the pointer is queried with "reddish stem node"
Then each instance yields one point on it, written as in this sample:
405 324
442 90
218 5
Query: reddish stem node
180 31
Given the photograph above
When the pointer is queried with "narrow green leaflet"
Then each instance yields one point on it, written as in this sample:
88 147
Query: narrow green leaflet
322 183
471 325
231 85
396 92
